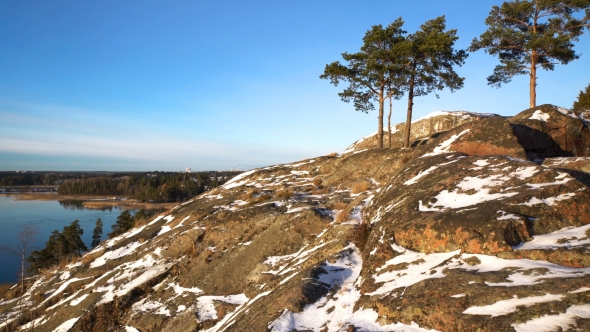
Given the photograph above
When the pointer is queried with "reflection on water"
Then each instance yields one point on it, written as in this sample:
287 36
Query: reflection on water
46 216
76 204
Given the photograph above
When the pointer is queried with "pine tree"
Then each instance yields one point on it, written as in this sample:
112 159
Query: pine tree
531 34
430 57
583 101
96 233
370 71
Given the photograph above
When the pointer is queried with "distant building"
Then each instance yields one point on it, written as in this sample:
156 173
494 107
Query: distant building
188 170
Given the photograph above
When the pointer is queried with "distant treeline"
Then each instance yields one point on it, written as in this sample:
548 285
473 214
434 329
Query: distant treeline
147 187
30 179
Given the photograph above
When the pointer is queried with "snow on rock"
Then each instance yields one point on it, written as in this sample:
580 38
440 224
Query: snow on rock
334 312
568 237
238 180
548 201
206 308
67 325
506 307
114 254
539 115
444 146
131 329
421 267
420 175
522 270
179 290
548 323
78 300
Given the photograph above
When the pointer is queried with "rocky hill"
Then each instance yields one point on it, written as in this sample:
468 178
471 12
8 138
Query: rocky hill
482 225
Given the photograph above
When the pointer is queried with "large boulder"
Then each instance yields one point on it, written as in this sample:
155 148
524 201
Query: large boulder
488 136
424 127
549 131
446 202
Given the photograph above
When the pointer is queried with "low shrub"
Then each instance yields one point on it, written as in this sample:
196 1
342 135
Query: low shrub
360 186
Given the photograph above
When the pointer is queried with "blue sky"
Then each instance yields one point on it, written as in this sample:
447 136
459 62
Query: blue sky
164 85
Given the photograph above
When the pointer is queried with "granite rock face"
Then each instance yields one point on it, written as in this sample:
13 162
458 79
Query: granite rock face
549 131
465 231
422 128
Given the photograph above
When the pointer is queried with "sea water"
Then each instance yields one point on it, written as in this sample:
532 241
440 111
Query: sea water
45 216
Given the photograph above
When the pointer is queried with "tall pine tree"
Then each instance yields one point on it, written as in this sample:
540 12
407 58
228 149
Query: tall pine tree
583 101
96 233
530 34
370 71
430 59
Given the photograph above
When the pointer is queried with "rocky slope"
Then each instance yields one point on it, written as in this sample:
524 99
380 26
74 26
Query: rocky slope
469 230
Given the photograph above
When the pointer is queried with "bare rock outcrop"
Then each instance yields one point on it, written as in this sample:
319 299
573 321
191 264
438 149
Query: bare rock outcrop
424 127
550 131
461 232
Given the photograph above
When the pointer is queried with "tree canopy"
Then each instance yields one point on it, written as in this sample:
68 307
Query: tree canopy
370 71
429 59
583 101
531 34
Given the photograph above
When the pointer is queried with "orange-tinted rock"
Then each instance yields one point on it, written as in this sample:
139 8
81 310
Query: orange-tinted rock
549 131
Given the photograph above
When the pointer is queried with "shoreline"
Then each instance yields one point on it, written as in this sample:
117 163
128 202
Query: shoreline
95 202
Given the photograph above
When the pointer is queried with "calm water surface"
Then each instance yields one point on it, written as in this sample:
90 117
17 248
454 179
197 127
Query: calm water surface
46 216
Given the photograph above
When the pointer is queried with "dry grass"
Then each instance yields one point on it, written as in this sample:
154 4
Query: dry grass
360 186
317 181
284 193
333 154
88 258
214 191
258 199
4 288
249 194
343 215
320 190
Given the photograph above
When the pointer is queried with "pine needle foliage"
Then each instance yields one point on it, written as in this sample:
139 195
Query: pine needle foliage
530 34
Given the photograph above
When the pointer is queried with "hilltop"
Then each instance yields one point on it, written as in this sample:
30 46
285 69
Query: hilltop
481 226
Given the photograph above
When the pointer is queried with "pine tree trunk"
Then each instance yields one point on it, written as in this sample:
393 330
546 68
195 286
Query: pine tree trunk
380 131
409 115
22 275
533 81
389 121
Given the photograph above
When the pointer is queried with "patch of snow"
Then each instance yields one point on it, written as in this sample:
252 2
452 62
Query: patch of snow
525 172
333 312
481 163
539 115
420 175
114 254
523 271
65 275
421 267
238 181
506 307
78 300
156 220
507 216
541 185
567 112
131 329
580 290
180 308
458 295
146 305
548 201
67 325
164 229
444 146
549 323
568 237
179 290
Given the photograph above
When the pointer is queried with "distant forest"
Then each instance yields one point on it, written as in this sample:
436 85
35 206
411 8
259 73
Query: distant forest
145 187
